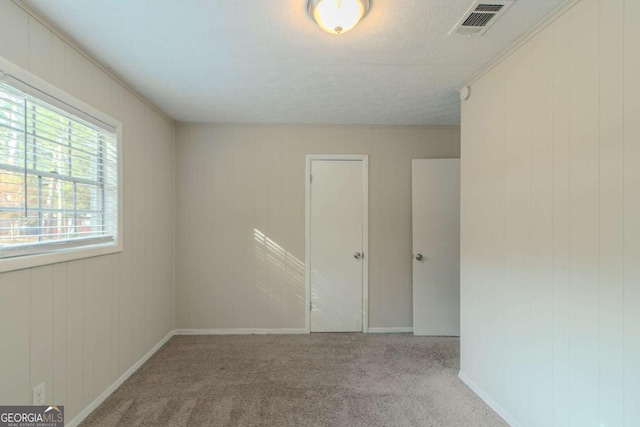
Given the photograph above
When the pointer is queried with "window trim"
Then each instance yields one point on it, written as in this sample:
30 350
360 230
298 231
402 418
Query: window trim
71 102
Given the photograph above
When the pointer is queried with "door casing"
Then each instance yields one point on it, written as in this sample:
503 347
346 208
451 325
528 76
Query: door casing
364 158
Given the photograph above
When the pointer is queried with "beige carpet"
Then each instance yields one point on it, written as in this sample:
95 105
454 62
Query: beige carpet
298 380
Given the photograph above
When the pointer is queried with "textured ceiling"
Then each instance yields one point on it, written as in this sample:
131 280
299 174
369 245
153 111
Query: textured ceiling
266 61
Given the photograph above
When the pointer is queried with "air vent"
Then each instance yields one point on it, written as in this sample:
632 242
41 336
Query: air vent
481 15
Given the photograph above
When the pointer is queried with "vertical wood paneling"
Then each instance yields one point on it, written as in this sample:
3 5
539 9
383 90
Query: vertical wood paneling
398 238
155 193
541 82
58 55
59 334
41 309
585 221
241 235
182 238
218 255
257 198
561 218
136 243
75 337
390 263
14 34
73 325
273 158
260 226
377 219
198 218
74 72
87 85
40 50
102 328
148 291
101 90
611 212
15 380
482 346
127 265
169 195
115 287
573 111
517 232
241 232
631 213
295 219
126 313
89 323
191 226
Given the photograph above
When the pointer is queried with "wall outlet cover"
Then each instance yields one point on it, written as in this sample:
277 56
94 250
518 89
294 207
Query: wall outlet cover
38 394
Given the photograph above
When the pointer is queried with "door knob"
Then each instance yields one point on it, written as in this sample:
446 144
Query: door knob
419 257
357 255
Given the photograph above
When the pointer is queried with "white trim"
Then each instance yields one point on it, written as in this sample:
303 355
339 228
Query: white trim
307 244
365 244
364 158
488 400
307 125
241 331
105 394
23 262
568 4
42 85
392 330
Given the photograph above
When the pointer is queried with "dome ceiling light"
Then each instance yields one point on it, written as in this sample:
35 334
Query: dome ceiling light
337 16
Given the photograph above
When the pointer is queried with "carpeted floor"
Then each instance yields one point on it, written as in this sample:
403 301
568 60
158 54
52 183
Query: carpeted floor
298 380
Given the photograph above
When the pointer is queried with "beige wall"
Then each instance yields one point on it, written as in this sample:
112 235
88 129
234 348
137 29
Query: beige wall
78 326
551 224
240 220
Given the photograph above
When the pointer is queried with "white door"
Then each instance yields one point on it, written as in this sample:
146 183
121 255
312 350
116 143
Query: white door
436 247
336 245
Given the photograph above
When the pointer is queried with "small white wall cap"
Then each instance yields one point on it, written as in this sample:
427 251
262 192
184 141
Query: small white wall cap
465 92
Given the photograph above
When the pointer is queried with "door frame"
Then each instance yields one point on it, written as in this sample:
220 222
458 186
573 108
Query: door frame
364 158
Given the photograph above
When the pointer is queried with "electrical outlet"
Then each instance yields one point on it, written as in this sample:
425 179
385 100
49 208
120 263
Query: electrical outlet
38 394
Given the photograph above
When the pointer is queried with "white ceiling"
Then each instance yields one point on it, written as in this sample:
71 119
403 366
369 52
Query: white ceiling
266 61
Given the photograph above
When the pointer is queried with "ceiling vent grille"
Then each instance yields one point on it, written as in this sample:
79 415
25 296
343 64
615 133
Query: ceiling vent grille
481 15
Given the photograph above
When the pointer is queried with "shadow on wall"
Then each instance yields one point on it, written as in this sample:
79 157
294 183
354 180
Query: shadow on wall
279 267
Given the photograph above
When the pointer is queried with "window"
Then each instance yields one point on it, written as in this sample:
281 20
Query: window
58 174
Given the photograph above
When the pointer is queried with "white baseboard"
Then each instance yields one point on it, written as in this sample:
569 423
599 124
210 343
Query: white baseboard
488 400
240 331
280 331
98 400
394 330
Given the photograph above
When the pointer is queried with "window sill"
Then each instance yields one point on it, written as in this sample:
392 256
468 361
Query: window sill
72 254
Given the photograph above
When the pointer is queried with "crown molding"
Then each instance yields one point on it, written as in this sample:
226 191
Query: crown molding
568 4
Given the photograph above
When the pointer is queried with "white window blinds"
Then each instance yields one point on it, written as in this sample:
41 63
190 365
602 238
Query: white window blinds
58 177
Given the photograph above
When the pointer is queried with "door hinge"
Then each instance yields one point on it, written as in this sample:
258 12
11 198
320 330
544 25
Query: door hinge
310 305
310 179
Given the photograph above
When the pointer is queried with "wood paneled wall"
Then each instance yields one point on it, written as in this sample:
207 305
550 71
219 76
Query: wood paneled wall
79 326
551 224
240 220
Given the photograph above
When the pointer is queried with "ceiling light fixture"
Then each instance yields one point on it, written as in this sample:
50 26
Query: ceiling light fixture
337 16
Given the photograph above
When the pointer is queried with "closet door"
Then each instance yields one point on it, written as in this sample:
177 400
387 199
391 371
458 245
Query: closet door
436 247
336 247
